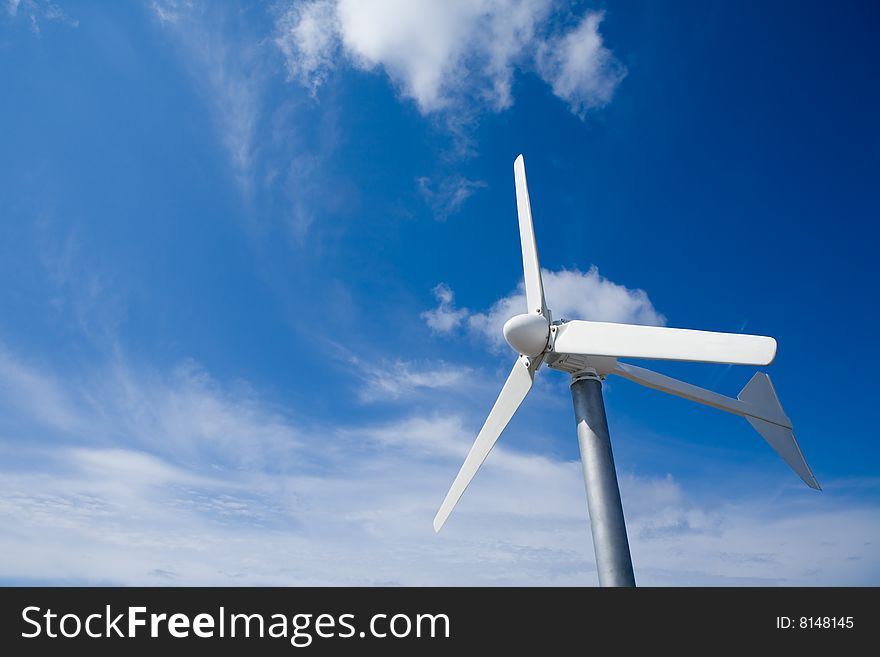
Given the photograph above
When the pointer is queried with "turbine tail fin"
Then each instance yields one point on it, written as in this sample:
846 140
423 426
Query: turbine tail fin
760 393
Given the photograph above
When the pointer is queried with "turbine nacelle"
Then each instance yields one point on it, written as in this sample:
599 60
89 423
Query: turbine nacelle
528 334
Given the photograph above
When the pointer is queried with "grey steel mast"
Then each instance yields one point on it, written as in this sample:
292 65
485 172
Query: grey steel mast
610 543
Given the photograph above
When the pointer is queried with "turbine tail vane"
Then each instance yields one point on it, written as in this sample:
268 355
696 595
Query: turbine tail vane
760 393
757 403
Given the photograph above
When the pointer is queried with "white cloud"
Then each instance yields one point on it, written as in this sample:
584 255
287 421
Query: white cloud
307 36
579 68
570 293
176 478
421 46
451 54
387 381
445 317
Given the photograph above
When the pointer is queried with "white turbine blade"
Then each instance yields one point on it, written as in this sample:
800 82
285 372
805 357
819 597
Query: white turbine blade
757 403
531 266
512 394
661 343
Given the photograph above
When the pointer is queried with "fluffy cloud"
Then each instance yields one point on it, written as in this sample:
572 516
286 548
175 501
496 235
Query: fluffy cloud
579 69
445 54
571 294
445 317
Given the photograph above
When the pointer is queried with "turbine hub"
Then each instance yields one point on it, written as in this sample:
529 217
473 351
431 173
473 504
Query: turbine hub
527 334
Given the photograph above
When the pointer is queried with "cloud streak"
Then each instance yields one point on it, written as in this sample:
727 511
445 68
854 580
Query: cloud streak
446 197
39 12
390 381
227 72
179 479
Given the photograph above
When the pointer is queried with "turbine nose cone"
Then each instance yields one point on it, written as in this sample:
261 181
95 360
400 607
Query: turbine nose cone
527 334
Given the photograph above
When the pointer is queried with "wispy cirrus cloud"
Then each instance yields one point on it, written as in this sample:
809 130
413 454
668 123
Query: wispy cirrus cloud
393 380
273 158
227 70
446 197
177 478
39 12
447 56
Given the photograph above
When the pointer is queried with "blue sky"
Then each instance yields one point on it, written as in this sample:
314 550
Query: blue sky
255 258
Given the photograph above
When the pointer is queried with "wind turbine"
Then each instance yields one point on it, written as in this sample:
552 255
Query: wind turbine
588 351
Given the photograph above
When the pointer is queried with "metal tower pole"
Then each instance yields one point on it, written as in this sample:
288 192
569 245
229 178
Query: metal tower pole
613 560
